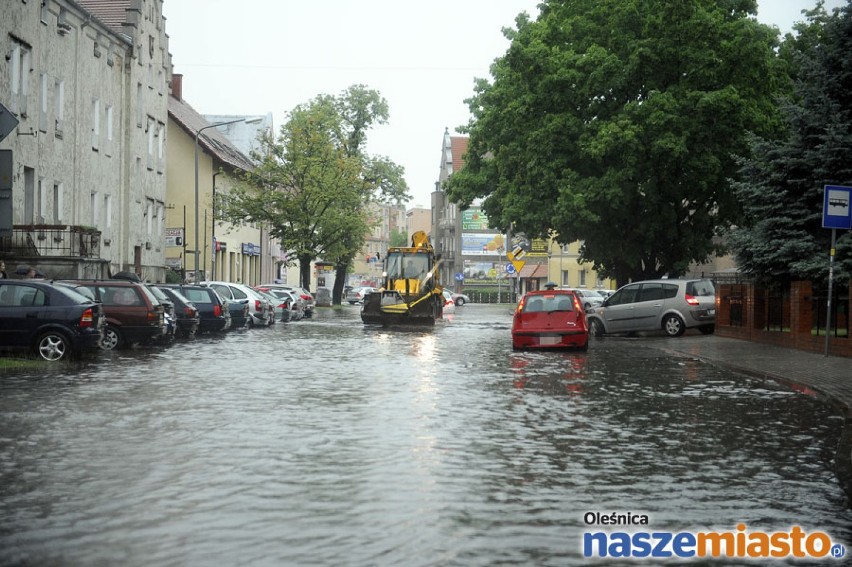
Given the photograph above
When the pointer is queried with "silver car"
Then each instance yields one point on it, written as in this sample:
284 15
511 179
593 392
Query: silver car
670 305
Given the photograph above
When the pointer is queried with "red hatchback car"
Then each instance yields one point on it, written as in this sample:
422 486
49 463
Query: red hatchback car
552 318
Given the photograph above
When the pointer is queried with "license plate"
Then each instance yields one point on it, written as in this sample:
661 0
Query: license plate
711 311
548 340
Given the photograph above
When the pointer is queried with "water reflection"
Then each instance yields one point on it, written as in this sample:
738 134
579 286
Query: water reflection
327 442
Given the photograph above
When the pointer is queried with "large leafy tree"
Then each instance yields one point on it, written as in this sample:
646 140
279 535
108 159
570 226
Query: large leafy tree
615 122
382 181
314 183
304 188
781 236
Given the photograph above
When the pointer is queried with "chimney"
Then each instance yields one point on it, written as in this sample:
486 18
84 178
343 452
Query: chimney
177 86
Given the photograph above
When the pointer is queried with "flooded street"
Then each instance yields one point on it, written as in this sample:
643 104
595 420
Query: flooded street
326 442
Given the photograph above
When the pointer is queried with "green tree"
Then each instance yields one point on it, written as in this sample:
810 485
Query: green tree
781 237
381 180
304 187
615 122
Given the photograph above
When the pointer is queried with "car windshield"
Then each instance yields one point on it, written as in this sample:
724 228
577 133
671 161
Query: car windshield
701 288
548 303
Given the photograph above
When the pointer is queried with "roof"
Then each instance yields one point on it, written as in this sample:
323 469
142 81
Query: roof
459 148
534 271
112 13
211 140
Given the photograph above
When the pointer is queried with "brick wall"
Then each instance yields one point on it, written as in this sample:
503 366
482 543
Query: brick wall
742 313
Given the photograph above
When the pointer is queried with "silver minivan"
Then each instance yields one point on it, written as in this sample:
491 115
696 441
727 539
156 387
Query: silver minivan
671 305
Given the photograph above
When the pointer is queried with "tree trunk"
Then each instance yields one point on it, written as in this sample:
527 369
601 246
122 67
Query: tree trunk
339 283
305 272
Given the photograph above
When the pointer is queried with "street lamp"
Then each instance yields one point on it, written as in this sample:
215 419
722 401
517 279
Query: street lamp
197 134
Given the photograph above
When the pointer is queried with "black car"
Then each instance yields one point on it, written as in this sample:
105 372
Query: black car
186 314
213 310
53 322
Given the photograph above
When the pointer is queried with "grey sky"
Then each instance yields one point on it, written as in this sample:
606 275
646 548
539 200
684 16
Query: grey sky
257 56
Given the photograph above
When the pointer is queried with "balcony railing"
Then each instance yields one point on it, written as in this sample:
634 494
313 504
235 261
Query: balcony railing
52 240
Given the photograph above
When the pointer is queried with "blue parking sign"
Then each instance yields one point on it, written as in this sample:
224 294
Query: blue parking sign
836 209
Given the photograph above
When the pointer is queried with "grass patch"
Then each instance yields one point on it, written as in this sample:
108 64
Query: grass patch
20 363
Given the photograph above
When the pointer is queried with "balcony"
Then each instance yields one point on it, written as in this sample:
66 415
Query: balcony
51 240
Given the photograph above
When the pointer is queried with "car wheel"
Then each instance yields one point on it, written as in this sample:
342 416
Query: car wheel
707 329
459 301
112 338
585 346
53 346
673 325
596 328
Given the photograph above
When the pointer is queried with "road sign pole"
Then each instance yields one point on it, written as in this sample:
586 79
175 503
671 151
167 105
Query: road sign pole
830 285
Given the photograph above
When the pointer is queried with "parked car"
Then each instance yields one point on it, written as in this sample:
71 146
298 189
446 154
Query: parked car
449 303
259 307
551 318
187 319
169 314
133 313
357 294
589 298
304 295
670 305
279 306
213 310
53 322
292 304
460 299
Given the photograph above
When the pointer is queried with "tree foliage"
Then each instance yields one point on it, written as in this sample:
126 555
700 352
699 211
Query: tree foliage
314 182
615 122
304 188
781 237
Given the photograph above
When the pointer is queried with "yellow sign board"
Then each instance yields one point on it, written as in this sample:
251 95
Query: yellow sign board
518 265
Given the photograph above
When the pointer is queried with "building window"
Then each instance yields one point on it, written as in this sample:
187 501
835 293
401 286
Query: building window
149 215
95 204
582 282
59 105
96 123
42 103
108 133
152 134
108 211
161 145
565 279
58 202
41 200
140 108
19 68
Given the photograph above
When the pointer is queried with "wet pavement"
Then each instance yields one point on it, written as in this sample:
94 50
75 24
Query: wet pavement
326 442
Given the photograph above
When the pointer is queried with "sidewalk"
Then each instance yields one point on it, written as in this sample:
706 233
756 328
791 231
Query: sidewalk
831 376
828 376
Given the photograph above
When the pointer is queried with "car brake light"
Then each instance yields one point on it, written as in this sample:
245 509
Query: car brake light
577 306
307 297
258 306
691 300
217 310
88 318
521 304
189 311
153 316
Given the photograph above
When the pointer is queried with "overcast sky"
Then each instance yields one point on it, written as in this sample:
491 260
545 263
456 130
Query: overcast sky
252 57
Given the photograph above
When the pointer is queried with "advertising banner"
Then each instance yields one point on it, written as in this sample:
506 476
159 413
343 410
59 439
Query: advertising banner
483 244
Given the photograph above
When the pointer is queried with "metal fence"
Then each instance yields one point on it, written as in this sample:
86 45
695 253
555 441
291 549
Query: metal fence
52 240
839 312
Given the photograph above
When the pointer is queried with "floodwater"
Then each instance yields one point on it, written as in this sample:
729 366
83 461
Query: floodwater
326 442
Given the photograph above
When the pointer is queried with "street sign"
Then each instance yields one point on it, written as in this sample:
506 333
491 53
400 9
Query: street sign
836 209
459 277
518 264
510 269
8 122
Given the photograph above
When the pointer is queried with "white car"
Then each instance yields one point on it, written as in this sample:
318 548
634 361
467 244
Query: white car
261 310
357 294
450 302
589 297
305 296
460 299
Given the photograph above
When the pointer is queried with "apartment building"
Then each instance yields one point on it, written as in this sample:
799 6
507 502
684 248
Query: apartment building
87 81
